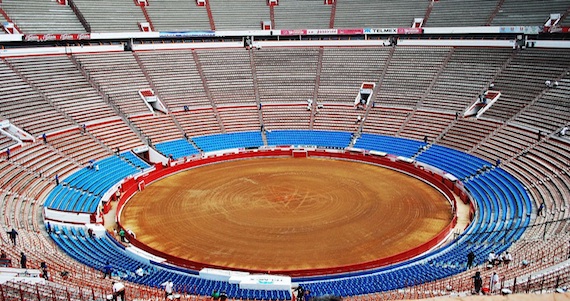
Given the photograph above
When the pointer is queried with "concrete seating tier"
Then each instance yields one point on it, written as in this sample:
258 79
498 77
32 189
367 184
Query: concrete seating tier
176 78
198 122
36 16
249 13
409 75
300 14
240 118
158 127
286 75
111 15
119 76
286 116
466 13
362 13
423 124
527 12
344 70
178 15
62 83
385 121
115 134
228 75
466 133
336 117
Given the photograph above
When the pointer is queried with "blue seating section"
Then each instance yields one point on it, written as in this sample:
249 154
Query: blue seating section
177 148
312 138
82 191
452 161
227 141
503 212
96 252
392 145
135 160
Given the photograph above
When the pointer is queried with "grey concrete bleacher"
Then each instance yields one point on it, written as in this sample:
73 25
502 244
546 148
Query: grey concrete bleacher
391 13
550 111
409 75
40 16
239 14
176 78
302 14
119 76
460 13
286 75
178 15
228 75
25 107
464 77
111 15
65 86
344 70
524 79
528 12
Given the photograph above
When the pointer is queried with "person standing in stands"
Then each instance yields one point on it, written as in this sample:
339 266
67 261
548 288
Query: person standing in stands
118 290
7 154
23 260
494 285
215 295
107 270
44 137
122 235
470 259
538 212
13 235
168 288
56 179
477 282
223 296
48 227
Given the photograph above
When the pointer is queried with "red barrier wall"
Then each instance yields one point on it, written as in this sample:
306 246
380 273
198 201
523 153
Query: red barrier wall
130 187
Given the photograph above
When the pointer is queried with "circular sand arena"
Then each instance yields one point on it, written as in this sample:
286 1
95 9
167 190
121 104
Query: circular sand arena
284 214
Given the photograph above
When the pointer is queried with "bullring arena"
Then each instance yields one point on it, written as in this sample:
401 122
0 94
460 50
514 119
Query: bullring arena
281 214
359 149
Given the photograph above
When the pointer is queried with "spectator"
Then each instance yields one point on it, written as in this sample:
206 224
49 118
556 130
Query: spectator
118 290
495 285
8 154
425 139
540 208
507 258
548 83
223 296
470 259
44 137
185 136
90 233
117 150
456 115
215 295
107 270
491 258
44 269
186 109
131 233
23 260
122 235
56 179
562 133
307 295
3 255
12 233
96 167
168 288
498 162
477 282
48 227
539 135
141 272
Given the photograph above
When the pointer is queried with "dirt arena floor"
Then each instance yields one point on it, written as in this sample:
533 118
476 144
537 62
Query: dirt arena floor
279 214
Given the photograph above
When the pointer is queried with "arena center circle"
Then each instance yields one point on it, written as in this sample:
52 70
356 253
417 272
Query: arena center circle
286 214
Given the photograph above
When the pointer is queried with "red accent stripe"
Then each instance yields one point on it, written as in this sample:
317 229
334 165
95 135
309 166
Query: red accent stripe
210 16
147 17
333 14
8 19
272 15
